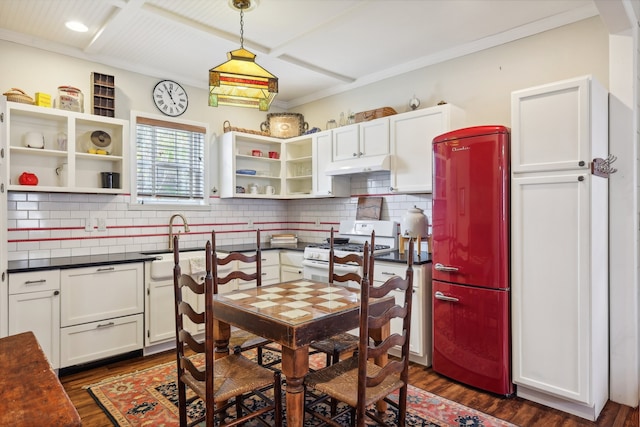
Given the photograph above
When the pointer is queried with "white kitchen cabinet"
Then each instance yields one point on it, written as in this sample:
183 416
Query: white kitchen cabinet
34 305
101 312
323 184
4 278
290 265
270 270
298 166
67 140
159 302
420 338
559 246
240 169
411 137
361 140
290 175
97 340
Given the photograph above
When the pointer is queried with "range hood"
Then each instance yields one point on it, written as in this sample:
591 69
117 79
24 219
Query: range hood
359 165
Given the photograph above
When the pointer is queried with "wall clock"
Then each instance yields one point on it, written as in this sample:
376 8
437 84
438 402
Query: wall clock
170 98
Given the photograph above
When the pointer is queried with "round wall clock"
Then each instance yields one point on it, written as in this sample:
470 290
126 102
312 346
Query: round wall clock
170 98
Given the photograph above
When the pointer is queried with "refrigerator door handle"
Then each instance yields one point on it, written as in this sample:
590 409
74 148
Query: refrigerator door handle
439 295
441 267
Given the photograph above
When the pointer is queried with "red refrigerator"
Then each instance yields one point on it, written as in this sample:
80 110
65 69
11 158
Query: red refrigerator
471 295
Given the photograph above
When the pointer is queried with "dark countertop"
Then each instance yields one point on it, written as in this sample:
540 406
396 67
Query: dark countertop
76 262
22 266
396 256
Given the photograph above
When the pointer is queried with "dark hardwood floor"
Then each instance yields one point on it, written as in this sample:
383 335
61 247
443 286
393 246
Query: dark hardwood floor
518 411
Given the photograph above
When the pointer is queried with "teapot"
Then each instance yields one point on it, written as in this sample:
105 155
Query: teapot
414 223
28 178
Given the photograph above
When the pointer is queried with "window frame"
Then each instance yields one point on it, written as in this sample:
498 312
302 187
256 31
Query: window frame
136 202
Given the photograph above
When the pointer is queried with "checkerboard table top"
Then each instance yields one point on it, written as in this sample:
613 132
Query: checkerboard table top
294 302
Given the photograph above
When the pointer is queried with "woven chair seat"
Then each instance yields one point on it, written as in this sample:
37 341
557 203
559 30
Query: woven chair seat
233 375
338 343
340 380
245 340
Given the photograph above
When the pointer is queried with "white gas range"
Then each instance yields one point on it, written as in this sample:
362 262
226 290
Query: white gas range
316 256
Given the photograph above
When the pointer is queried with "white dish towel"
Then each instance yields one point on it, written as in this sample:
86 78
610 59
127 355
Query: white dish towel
198 269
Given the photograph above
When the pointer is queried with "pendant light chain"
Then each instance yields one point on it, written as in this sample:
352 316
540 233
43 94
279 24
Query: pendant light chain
242 28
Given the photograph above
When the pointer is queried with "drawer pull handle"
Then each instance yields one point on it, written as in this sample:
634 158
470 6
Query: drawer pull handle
106 269
35 282
105 325
386 273
439 295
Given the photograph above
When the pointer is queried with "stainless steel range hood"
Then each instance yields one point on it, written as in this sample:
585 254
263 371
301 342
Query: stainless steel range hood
359 165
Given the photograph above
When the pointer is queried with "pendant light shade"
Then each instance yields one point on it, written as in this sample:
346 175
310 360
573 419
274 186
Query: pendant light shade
240 82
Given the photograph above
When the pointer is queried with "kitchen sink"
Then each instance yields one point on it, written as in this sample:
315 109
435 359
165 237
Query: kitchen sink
162 265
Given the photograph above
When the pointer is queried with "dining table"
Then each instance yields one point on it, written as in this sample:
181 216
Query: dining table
294 314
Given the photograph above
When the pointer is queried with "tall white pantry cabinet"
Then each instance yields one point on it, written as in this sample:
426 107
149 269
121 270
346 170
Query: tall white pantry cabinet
559 241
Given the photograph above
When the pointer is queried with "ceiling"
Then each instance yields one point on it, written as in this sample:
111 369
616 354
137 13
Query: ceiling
315 47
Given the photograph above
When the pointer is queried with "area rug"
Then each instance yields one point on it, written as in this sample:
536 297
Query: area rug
149 398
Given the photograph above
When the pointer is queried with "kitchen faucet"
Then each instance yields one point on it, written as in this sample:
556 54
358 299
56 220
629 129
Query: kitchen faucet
186 228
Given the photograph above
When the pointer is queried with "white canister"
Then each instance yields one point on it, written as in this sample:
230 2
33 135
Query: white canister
414 223
33 140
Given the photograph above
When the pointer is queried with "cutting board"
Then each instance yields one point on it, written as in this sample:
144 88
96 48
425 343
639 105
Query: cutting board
369 208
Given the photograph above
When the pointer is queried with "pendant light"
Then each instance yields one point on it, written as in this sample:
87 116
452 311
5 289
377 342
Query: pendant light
240 82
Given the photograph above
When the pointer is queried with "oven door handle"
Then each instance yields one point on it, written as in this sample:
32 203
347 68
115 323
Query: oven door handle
338 268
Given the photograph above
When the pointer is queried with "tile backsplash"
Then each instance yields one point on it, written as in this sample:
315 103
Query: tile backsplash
45 225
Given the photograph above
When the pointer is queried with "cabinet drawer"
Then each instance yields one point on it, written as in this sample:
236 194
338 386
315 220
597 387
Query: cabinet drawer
34 281
97 293
97 340
383 272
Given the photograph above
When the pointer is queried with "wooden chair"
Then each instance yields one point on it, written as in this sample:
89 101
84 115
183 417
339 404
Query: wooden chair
241 340
344 342
361 383
222 383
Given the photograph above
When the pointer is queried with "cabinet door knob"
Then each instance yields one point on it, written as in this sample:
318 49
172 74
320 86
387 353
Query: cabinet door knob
355 154
56 292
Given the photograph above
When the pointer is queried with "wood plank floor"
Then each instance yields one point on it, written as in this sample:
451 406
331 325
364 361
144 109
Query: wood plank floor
516 410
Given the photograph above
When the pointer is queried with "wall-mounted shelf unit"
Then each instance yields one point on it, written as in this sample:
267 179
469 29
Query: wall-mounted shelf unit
103 94
67 140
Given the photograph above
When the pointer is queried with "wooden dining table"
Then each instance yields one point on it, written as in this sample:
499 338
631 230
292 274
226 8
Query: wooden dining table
293 314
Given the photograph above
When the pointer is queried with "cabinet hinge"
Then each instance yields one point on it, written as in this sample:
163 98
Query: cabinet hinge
148 334
1 117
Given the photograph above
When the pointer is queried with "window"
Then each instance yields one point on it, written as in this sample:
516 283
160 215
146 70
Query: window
170 160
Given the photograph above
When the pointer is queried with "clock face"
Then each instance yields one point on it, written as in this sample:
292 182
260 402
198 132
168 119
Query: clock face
170 98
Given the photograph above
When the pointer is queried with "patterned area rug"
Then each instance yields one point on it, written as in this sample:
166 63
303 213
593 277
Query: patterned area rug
149 398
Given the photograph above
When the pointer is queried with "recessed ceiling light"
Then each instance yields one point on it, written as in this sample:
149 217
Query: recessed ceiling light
77 26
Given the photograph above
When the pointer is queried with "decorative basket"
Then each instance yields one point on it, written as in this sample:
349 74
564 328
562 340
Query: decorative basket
365 116
226 127
18 95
